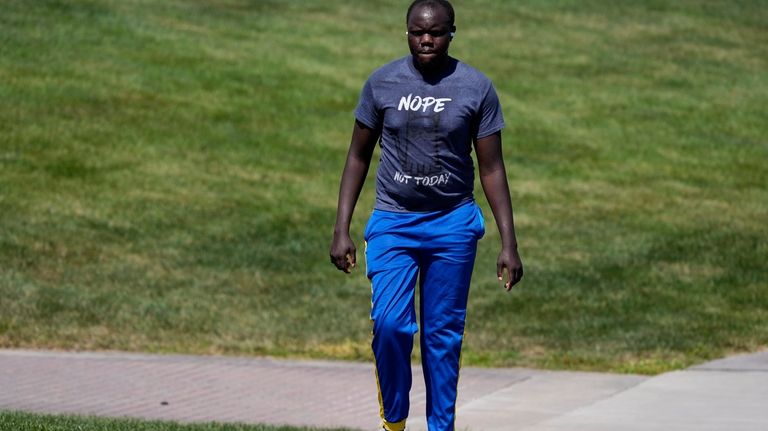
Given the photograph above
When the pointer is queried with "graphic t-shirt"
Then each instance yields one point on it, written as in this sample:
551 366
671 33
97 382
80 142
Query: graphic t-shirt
427 128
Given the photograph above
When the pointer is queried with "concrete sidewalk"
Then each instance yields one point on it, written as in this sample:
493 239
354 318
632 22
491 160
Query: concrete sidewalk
729 394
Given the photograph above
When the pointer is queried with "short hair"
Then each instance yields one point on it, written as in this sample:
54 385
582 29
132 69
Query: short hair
445 4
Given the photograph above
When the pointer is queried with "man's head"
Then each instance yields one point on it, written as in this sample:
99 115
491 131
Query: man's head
430 30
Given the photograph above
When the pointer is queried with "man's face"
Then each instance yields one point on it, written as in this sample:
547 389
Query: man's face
429 35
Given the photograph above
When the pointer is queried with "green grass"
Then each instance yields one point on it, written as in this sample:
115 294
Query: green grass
19 421
169 171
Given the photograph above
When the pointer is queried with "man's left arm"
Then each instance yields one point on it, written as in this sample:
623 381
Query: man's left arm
493 178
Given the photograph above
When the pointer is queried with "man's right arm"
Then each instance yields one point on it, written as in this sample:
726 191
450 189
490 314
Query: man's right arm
352 178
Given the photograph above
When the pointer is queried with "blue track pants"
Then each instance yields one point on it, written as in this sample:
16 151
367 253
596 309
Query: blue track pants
439 248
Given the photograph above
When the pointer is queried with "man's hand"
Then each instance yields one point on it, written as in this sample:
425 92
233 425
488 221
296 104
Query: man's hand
343 252
356 167
493 177
509 259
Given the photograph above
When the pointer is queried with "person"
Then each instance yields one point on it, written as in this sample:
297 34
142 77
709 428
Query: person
426 110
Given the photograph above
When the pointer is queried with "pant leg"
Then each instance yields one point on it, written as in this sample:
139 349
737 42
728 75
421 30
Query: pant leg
446 271
392 269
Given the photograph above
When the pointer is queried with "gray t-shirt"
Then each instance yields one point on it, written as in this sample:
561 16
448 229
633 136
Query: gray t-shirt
427 130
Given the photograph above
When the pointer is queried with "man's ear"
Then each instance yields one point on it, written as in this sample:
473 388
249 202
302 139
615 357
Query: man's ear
453 32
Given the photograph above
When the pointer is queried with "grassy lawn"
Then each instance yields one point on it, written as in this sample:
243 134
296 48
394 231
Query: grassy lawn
169 173
18 421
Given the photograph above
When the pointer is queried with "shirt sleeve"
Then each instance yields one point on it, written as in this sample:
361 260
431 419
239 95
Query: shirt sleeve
491 120
366 111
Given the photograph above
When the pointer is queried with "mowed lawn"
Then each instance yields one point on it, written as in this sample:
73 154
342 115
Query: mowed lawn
18 421
169 173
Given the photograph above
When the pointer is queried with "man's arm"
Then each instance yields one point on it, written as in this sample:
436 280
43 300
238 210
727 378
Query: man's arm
352 179
493 177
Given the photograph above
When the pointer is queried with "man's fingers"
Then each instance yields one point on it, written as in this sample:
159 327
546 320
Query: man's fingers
341 263
500 273
515 277
344 260
512 276
513 267
349 262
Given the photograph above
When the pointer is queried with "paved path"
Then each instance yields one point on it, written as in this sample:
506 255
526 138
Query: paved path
729 394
